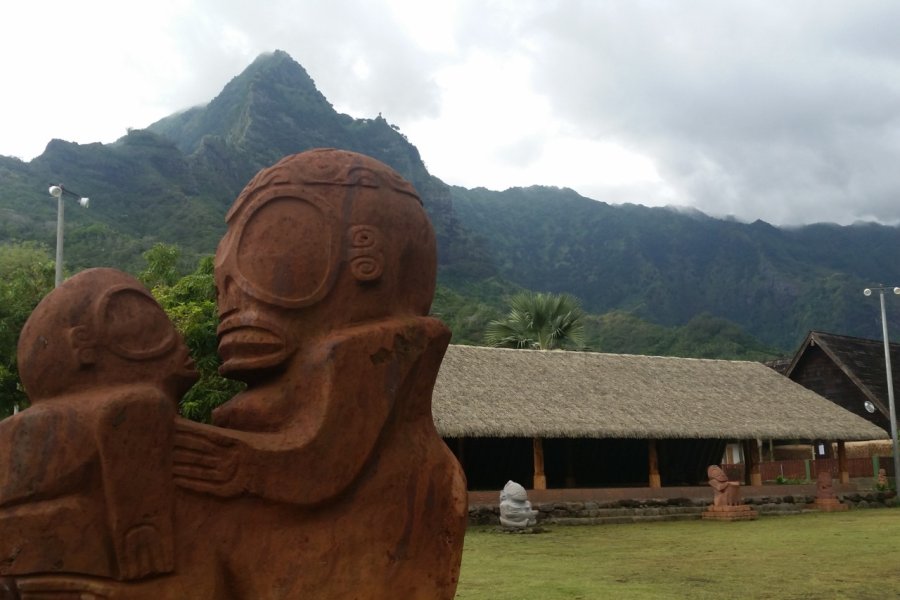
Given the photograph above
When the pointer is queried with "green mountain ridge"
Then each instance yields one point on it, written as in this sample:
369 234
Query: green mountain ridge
667 266
173 182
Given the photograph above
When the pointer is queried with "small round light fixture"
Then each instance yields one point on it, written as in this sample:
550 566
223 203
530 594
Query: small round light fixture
870 408
55 191
867 292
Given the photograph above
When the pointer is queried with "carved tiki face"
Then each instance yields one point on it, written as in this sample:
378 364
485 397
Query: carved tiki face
321 240
101 327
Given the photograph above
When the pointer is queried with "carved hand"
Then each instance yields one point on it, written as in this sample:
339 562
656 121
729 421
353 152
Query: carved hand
207 460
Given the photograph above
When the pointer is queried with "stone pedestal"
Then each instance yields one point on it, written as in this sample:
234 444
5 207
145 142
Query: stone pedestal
739 512
829 505
826 499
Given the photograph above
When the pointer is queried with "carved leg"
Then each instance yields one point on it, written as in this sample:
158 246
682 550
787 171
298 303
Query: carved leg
61 587
8 589
733 493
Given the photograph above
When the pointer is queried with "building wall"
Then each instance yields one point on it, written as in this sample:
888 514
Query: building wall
817 372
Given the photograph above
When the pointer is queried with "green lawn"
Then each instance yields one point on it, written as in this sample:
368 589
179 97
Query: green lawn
853 555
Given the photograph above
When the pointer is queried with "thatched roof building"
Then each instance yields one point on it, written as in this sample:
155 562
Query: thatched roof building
496 392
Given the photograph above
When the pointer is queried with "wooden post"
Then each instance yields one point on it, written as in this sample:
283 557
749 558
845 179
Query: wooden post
655 480
842 462
540 480
751 457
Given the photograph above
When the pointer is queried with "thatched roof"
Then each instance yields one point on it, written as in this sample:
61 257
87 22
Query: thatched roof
495 392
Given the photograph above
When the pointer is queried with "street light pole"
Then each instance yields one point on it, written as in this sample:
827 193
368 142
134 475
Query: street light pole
890 380
58 191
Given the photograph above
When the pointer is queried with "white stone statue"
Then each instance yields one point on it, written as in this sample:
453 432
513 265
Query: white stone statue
515 509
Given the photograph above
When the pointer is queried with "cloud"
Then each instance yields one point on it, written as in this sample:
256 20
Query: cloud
357 52
785 111
747 110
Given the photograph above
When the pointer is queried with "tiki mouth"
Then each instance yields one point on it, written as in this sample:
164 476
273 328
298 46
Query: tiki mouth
248 341
189 370
244 347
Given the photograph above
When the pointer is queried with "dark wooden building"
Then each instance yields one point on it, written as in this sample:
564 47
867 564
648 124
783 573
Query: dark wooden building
848 371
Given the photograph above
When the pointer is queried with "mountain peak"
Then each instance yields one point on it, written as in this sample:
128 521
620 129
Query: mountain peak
273 89
273 58
276 65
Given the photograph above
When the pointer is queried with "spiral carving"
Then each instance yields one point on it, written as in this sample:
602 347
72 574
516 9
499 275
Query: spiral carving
366 258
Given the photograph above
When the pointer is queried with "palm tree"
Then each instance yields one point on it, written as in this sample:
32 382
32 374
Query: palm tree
538 321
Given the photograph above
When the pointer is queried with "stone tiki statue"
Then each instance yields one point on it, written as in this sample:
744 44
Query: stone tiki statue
515 509
325 478
85 473
727 504
725 492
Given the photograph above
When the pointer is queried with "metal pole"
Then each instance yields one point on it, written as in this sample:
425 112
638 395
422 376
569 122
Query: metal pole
59 239
890 387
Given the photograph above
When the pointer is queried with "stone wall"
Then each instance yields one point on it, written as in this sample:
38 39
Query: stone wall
667 509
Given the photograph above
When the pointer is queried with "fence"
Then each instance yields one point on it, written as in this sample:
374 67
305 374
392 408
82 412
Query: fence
809 469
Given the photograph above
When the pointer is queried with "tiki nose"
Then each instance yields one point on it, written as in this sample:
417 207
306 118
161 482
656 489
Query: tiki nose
226 298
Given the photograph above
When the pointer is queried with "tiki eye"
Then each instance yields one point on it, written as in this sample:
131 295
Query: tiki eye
285 249
135 325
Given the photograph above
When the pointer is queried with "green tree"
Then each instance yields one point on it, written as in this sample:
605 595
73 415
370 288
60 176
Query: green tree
26 276
162 265
540 321
191 304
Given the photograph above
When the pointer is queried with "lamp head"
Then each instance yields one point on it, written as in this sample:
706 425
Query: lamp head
867 292
84 202
897 290
55 191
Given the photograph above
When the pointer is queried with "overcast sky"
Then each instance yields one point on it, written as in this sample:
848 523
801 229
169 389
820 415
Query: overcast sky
785 111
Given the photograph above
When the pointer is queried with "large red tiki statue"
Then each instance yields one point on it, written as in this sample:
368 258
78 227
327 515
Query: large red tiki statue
325 478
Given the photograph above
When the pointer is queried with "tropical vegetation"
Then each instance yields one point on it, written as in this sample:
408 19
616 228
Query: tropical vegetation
26 275
190 301
538 321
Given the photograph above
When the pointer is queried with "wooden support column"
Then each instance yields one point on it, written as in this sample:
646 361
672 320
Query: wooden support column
842 462
751 458
540 480
655 480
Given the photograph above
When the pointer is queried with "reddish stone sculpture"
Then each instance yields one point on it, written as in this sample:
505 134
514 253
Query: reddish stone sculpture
85 475
826 499
727 493
727 504
326 478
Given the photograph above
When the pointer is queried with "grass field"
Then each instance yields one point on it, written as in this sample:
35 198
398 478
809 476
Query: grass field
815 556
